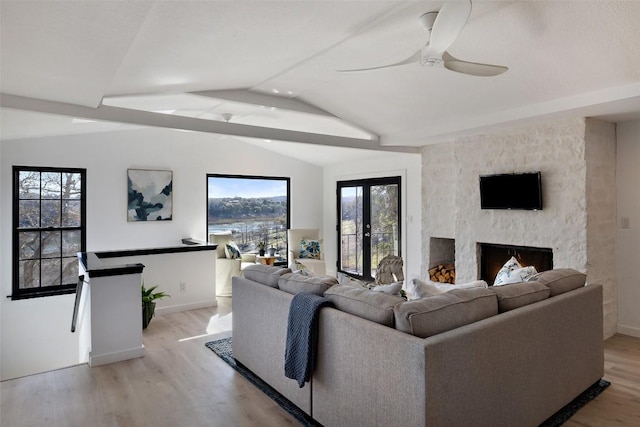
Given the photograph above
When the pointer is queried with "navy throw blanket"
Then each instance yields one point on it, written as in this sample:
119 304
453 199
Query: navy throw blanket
302 336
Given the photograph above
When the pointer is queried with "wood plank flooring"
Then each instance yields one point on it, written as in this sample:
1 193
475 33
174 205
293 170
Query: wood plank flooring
182 383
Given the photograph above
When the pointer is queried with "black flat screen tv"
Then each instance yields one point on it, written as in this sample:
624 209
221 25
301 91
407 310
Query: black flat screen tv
511 191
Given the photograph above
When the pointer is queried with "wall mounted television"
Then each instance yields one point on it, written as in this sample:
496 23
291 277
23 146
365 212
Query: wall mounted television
511 191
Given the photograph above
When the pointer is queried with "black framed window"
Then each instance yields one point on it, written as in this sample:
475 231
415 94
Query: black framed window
255 209
49 211
369 226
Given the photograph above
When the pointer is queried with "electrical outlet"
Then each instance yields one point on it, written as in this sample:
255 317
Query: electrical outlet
183 287
624 222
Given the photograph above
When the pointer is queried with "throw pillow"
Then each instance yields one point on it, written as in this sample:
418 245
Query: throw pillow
506 269
391 289
310 249
299 268
518 275
231 250
345 279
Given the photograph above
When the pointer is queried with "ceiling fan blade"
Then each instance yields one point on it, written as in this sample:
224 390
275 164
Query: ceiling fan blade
413 58
448 25
472 68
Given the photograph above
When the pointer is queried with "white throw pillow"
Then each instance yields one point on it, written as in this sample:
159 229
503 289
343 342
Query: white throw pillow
518 275
345 279
231 250
506 270
391 289
299 268
428 288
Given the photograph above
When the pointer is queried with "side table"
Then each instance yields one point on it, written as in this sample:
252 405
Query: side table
267 260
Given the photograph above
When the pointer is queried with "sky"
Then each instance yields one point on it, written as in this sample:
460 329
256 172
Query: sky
246 187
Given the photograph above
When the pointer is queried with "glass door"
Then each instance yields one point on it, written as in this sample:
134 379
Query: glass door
368 224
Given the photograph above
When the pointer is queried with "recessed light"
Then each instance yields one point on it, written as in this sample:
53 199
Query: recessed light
266 140
164 111
275 90
76 120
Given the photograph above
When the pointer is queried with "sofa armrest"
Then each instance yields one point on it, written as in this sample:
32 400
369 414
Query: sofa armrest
248 258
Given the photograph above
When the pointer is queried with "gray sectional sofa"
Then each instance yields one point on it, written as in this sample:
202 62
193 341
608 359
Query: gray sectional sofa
504 356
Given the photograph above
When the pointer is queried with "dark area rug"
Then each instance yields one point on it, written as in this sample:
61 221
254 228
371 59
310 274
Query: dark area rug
572 407
223 349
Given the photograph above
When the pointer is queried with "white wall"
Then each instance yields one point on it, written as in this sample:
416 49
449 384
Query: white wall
576 158
628 245
407 166
41 326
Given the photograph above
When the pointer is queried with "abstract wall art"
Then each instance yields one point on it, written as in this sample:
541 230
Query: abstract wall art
150 195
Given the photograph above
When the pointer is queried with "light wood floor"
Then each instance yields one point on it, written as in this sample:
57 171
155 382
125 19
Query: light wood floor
182 383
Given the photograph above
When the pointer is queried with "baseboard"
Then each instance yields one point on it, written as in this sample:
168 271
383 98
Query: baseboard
103 359
628 330
185 307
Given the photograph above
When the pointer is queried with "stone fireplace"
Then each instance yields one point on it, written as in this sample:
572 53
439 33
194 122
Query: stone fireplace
577 226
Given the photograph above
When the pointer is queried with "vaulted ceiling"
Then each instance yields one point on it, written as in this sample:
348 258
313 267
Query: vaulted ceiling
196 60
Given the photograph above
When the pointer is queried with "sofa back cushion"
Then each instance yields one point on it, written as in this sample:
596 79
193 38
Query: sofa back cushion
516 295
265 274
439 313
560 280
374 306
294 283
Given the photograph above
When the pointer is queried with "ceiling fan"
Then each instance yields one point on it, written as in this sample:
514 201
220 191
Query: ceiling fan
444 27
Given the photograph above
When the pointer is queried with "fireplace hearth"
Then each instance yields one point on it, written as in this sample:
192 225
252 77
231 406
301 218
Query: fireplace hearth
493 256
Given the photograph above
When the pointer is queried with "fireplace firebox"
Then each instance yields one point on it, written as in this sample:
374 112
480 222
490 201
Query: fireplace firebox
493 256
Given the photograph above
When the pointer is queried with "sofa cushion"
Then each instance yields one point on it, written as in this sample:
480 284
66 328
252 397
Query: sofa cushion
425 288
560 280
516 295
374 306
265 274
295 283
443 312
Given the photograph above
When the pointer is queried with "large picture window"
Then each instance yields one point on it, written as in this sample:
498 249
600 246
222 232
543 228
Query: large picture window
254 208
48 230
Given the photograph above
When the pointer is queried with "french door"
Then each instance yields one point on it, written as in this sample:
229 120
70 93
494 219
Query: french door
368 224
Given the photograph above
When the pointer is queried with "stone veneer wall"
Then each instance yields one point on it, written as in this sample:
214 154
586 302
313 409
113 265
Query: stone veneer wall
601 216
577 161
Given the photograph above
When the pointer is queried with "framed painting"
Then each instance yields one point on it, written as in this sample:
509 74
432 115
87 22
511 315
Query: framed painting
150 195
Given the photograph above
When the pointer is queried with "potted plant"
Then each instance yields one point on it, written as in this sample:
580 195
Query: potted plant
148 303
261 246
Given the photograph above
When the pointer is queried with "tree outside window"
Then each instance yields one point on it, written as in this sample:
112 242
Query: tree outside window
49 216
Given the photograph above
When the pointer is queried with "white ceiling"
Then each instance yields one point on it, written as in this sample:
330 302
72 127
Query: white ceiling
564 58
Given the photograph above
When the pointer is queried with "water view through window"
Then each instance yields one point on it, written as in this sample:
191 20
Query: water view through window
254 209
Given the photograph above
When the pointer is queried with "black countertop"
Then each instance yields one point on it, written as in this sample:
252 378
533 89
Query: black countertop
91 261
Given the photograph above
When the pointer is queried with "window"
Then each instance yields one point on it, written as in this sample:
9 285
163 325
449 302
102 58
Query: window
369 224
48 230
254 208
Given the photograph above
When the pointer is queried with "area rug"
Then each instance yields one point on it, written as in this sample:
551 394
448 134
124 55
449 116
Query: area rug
572 407
223 349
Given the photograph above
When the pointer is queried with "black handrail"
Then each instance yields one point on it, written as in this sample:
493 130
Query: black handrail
74 319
